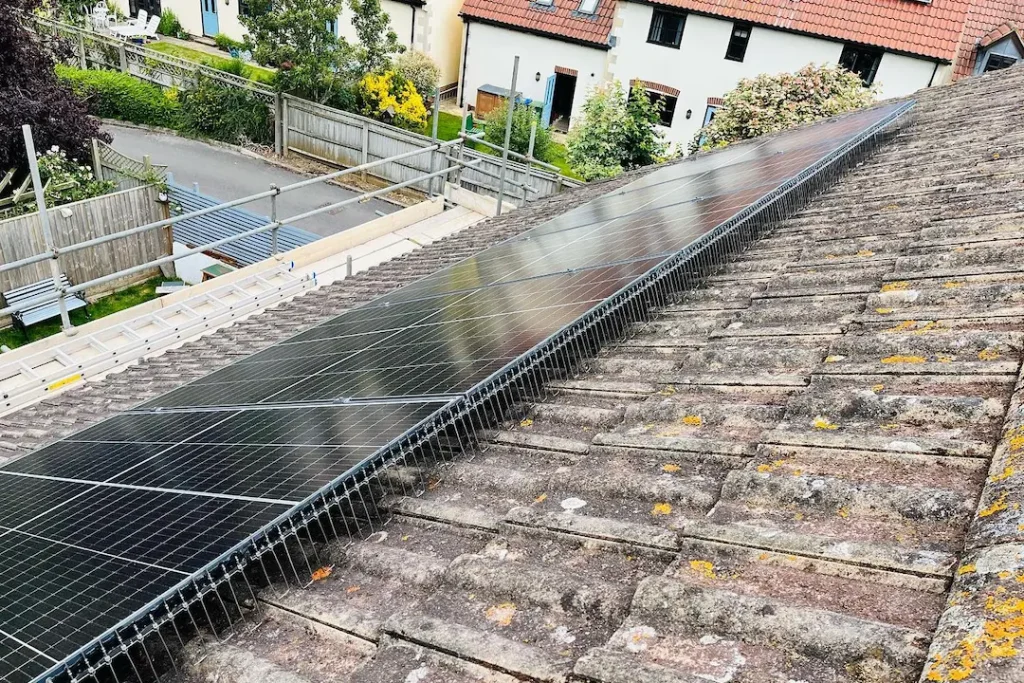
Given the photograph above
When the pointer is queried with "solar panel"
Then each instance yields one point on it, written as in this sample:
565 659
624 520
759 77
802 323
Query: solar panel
96 530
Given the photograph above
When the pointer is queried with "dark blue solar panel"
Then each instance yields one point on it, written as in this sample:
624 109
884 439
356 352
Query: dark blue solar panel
95 528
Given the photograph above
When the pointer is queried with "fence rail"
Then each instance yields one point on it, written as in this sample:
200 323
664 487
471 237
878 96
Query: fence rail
109 164
314 130
22 237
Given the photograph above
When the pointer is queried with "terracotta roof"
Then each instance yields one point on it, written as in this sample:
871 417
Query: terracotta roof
561 20
984 17
932 30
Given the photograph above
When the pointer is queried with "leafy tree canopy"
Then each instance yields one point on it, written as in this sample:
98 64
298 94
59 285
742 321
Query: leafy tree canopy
616 133
768 104
30 93
297 36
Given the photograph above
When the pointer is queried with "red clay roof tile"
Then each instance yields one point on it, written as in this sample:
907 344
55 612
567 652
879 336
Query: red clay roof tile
562 20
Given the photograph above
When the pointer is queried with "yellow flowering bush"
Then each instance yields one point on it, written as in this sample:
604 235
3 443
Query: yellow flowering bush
390 98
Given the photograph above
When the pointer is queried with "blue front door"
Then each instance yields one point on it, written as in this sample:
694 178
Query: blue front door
549 100
211 26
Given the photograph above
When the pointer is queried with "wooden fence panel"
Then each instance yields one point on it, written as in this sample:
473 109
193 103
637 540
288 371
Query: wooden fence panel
22 237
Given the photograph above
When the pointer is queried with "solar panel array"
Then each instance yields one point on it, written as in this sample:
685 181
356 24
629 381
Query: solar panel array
98 529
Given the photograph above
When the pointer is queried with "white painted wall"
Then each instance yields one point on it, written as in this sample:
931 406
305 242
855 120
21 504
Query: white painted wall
699 70
492 50
401 22
900 75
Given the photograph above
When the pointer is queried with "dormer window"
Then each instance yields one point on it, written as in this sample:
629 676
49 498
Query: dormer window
588 6
544 3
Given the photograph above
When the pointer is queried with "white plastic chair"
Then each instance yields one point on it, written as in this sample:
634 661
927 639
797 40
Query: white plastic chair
132 25
133 32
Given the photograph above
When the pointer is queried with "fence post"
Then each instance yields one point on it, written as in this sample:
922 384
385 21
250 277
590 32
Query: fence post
97 160
284 126
81 52
147 166
508 135
122 56
277 123
44 221
364 155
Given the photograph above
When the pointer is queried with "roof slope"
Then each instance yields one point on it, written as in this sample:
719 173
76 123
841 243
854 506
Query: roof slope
773 480
561 20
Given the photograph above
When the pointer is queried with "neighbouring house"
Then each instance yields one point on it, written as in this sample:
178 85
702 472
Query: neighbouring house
563 47
429 26
689 53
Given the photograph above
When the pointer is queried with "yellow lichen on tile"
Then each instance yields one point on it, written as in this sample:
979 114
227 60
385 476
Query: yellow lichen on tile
526 423
899 358
967 569
541 498
864 253
704 568
501 614
668 390
1004 475
833 359
945 359
823 423
843 512
661 509
890 426
692 420
997 506
904 326
322 573
895 286
883 311
952 284
878 388
988 354
671 468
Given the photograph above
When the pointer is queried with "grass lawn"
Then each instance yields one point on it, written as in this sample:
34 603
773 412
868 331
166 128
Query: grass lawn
126 298
448 126
250 71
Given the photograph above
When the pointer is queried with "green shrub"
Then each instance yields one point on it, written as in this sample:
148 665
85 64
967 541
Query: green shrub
225 113
235 67
522 121
768 104
227 43
116 95
170 26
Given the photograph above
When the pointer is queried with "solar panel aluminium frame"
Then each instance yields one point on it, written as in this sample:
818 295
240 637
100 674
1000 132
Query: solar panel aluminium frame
492 400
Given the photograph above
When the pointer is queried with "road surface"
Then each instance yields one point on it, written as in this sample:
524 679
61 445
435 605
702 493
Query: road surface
226 174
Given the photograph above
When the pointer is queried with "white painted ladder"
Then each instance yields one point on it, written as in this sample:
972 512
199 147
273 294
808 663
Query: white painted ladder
26 378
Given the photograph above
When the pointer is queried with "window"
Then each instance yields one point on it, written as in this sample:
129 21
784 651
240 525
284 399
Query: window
544 3
666 29
737 49
709 115
588 6
668 105
997 62
862 61
332 26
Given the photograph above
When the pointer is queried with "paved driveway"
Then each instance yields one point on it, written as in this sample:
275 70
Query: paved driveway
226 174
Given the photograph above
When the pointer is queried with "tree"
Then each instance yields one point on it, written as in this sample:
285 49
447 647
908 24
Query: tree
294 35
523 118
616 133
30 93
377 42
420 70
768 104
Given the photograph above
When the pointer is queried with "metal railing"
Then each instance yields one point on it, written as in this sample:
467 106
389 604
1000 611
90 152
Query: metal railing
53 252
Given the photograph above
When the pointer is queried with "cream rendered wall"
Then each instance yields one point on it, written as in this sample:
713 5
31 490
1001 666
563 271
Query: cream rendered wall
900 75
492 51
699 70
188 12
443 40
